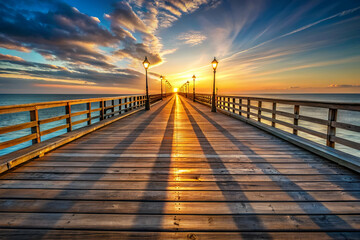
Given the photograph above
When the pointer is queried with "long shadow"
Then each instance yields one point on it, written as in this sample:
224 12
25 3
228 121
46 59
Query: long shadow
145 206
221 181
132 136
321 221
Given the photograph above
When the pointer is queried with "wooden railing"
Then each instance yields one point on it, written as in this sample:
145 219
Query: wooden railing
253 108
91 110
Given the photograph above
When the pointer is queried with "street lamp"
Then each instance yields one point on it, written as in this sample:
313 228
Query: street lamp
194 77
166 81
214 64
187 87
161 78
146 64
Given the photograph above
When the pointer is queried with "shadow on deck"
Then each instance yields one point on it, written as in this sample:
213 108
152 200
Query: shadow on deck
179 172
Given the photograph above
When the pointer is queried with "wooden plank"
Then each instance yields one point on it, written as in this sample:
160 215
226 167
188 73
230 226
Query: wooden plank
176 177
178 208
53 119
207 186
184 166
348 143
183 223
35 234
107 169
17 127
17 141
176 195
55 129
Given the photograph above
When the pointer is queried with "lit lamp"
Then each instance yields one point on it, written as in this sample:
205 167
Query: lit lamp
214 64
194 77
161 78
146 64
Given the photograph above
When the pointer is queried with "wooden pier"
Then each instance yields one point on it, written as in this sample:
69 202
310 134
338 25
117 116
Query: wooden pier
179 171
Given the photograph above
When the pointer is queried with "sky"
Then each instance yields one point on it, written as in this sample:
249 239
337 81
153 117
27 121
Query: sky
263 46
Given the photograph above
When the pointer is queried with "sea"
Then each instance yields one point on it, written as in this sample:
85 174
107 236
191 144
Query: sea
351 117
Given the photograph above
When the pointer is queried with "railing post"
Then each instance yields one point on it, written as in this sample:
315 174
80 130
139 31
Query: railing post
240 107
113 107
331 131
102 111
273 115
88 107
125 106
259 110
248 108
34 117
296 118
68 120
233 100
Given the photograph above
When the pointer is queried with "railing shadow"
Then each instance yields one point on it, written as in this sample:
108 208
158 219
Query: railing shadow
165 149
321 222
127 141
208 149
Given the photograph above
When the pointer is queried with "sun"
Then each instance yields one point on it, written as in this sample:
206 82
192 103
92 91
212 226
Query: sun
175 89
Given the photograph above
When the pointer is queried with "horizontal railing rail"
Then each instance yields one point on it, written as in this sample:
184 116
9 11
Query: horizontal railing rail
64 116
274 115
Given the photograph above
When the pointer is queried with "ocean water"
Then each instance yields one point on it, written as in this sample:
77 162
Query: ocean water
343 116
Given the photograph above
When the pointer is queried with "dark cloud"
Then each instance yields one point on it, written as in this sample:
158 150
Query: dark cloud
116 77
62 33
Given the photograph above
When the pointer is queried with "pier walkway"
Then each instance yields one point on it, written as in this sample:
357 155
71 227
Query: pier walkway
179 171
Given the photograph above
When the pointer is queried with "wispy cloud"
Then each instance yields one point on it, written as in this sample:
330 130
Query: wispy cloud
192 38
344 86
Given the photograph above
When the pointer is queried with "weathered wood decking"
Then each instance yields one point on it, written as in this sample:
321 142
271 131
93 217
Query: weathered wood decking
179 172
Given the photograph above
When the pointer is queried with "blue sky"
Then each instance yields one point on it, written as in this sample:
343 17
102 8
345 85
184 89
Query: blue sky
77 46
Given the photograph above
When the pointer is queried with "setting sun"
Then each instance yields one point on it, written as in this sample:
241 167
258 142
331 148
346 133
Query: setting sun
175 89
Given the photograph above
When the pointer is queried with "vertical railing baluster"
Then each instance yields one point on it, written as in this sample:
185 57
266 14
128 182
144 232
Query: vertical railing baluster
331 130
68 119
233 105
34 117
113 107
88 107
240 107
248 108
273 115
102 110
120 107
259 110
296 118
125 106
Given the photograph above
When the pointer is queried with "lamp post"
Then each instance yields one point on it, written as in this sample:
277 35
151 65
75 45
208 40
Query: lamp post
146 64
214 64
161 78
194 77
187 87
165 86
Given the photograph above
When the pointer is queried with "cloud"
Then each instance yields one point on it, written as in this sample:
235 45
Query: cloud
10 58
344 86
192 38
46 72
62 33
76 41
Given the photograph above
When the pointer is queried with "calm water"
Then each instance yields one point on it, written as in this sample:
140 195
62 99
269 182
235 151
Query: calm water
343 116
